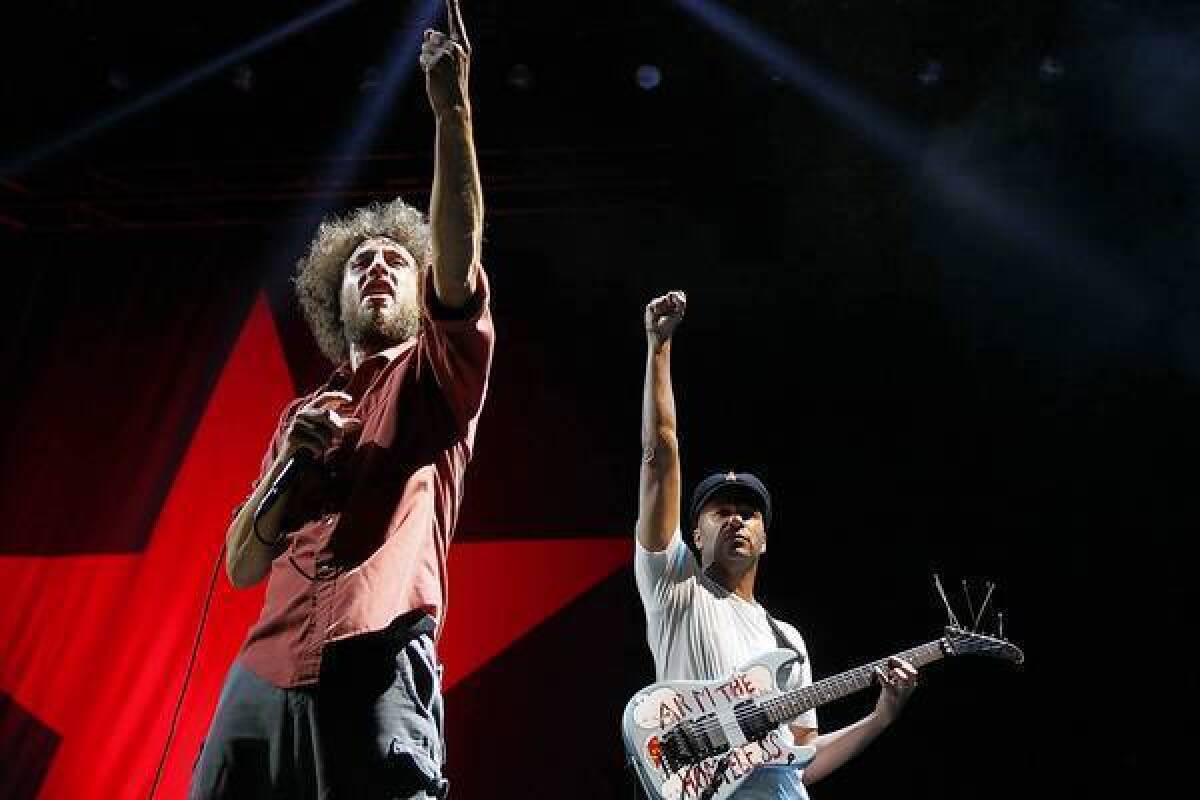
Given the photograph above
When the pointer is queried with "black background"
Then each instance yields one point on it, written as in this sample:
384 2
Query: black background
922 388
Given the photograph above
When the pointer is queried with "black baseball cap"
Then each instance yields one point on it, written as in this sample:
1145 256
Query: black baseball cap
746 483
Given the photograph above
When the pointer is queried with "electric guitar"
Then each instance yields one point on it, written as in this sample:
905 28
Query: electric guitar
699 740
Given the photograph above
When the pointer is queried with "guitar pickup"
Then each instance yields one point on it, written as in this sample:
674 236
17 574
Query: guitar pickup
693 741
754 721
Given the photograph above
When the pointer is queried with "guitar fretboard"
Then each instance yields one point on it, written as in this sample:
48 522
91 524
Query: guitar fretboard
790 705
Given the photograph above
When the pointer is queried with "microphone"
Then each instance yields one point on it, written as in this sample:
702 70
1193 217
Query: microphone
300 462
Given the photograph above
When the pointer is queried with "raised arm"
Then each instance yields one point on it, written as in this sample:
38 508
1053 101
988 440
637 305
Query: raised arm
456 203
660 480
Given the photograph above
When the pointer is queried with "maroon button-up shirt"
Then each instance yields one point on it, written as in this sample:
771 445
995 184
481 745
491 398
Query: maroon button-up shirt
377 547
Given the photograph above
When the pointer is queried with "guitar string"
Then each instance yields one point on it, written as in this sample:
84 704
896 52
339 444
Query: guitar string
838 683
851 677
847 680
741 715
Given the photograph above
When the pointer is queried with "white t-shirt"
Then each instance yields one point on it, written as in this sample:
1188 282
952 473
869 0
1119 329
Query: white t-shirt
699 631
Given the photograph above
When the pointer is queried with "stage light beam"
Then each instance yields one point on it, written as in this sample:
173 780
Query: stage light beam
386 85
379 91
1019 221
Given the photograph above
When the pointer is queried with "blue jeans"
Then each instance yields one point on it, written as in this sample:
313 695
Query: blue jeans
772 783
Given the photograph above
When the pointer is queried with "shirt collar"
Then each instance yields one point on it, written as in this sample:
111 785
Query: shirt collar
344 372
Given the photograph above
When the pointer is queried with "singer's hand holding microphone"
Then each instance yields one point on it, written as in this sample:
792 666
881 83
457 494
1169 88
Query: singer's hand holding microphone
315 428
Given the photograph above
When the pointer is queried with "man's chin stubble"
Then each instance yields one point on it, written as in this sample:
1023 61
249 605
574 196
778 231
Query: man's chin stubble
377 329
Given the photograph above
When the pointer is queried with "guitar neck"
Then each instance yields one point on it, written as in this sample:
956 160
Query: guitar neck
789 705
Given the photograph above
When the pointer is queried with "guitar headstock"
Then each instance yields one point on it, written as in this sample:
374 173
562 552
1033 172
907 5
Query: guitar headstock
961 642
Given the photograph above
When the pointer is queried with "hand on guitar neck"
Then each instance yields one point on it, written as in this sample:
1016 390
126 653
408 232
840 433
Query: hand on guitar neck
899 680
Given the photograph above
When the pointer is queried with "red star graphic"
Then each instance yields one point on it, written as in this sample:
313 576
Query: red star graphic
96 646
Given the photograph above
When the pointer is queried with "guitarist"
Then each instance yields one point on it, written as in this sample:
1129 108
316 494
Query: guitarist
702 619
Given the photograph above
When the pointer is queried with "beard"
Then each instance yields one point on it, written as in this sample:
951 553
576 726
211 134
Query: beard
376 329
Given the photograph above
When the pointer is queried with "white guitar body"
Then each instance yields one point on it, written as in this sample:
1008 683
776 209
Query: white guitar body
711 710
699 740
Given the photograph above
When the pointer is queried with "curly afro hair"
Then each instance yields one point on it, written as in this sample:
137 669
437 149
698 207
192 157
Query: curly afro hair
319 273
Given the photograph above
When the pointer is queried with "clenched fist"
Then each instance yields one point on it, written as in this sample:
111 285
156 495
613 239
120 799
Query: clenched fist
663 314
317 426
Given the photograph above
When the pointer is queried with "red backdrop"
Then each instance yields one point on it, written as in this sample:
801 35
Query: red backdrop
98 620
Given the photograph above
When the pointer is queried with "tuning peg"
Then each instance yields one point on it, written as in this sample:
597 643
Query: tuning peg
970 608
991 587
937 582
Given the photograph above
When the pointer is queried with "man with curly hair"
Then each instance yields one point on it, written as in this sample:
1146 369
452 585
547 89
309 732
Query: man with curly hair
336 691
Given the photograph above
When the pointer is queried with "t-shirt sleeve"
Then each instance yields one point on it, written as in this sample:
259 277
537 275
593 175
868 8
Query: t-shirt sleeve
657 573
458 344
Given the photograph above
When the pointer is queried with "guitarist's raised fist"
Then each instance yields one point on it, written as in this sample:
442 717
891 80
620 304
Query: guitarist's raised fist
664 313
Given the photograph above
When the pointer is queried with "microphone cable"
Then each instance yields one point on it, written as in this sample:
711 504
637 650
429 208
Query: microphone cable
301 462
187 676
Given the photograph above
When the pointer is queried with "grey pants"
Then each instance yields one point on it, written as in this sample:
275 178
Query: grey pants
371 729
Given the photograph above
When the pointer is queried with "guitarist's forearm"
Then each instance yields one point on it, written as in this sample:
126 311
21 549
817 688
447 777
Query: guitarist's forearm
836 748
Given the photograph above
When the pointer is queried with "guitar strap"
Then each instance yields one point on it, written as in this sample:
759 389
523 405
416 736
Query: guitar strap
782 639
